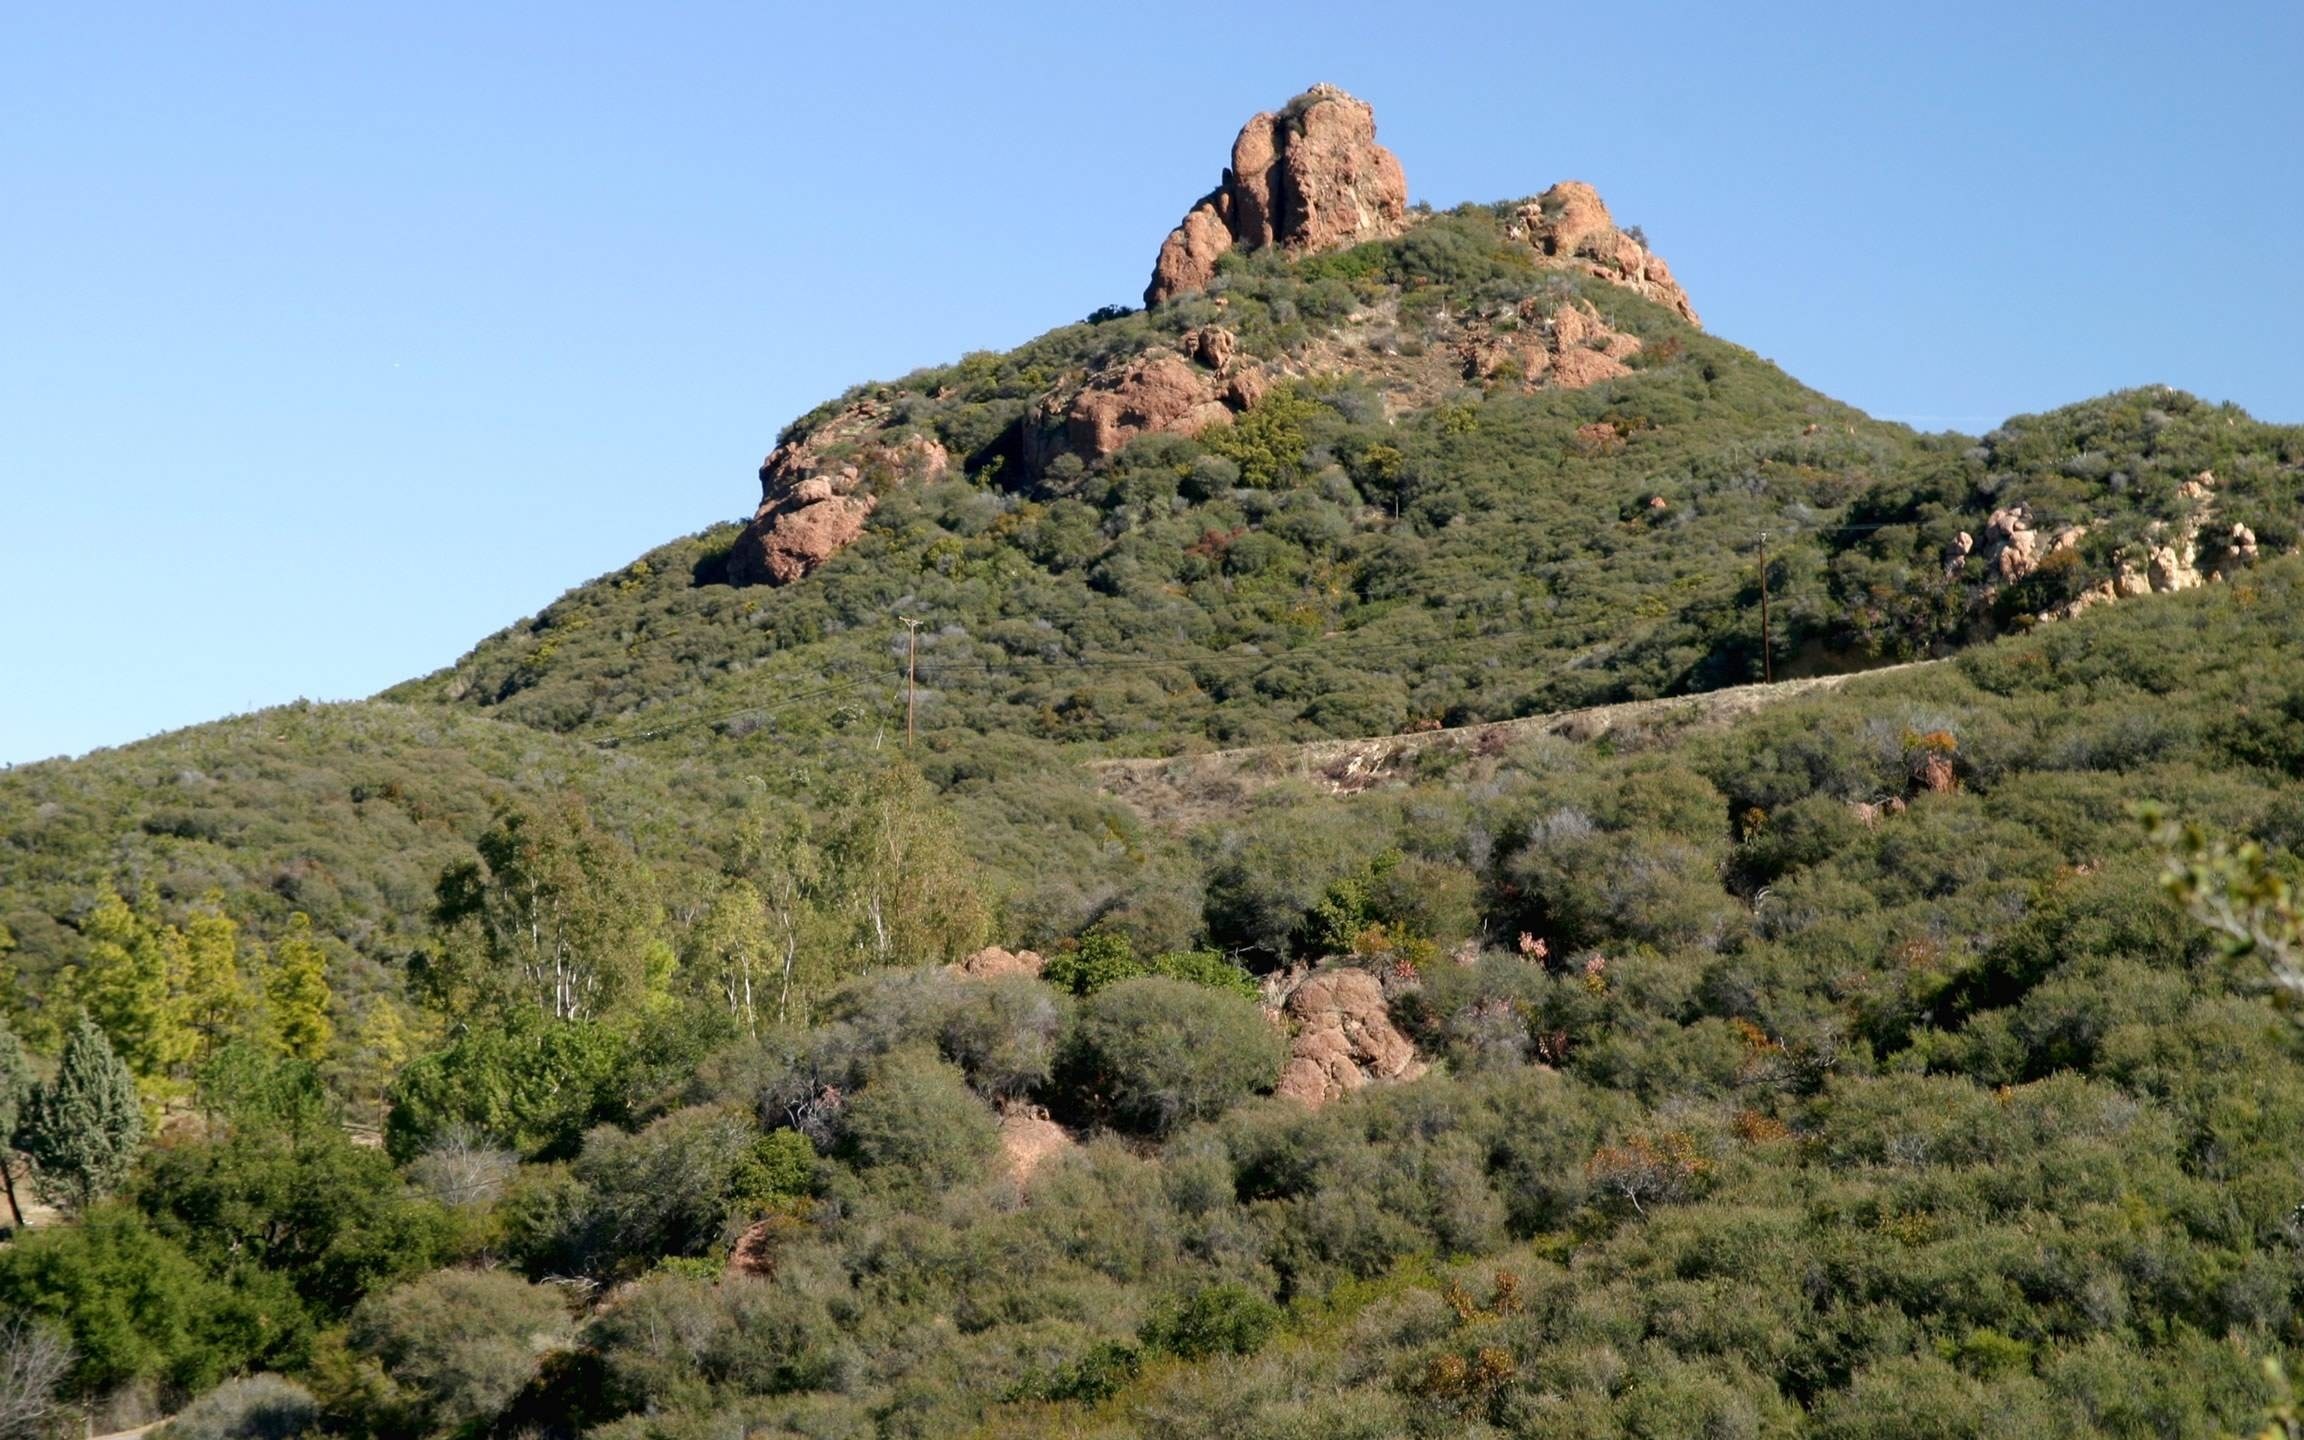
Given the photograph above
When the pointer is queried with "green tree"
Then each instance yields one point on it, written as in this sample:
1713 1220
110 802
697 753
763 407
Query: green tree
784 866
82 1128
297 994
138 1308
15 1092
902 876
217 1002
555 914
278 1183
132 983
525 1081
738 943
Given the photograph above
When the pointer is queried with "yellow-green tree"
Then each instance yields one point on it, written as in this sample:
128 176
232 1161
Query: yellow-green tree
735 942
789 879
218 1003
131 983
296 992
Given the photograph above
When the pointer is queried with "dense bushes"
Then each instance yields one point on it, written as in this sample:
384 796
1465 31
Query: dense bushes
1156 1053
1840 1069
916 1127
137 1308
456 1346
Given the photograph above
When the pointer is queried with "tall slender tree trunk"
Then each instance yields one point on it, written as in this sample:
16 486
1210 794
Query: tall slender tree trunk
8 1183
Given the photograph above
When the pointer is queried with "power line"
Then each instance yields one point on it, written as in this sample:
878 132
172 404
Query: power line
1023 667
1090 664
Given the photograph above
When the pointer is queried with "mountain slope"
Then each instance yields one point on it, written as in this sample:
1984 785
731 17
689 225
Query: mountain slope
1355 478
1838 1067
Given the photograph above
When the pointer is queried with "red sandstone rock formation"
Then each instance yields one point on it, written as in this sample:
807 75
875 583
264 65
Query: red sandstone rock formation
1205 381
1309 178
818 489
1569 222
1344 1038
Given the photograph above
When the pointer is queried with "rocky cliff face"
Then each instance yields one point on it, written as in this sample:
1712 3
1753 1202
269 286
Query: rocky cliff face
1309 178
818 488
1313 178
1569 223
1306 179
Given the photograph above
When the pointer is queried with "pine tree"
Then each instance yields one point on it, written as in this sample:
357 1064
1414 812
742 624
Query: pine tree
298 994
15 1090
132 985
215 1001
82 1128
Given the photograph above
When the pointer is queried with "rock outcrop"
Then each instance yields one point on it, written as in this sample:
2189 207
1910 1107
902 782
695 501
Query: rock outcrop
1568 349
1344 1038
1029 1140
2013 549
1570 223
817 489
2171 557
995 963
1309 178
1205 381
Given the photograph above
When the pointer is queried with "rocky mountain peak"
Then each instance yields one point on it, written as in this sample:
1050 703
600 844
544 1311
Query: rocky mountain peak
1569 223
1310 177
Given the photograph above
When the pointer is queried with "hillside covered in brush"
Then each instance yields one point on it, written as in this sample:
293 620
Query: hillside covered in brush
630 1029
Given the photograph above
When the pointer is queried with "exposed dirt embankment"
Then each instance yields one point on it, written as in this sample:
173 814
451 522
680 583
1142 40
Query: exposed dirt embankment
1182 789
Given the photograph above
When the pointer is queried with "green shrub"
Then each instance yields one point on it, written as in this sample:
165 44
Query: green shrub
254 1407
675 1188
1156 1053
1005 1034
457 1345
916 1127
1223 1319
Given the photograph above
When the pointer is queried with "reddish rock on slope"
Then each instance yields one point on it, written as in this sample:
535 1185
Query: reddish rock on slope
1344 1038
1309 178
1204 382
1570 222
818 489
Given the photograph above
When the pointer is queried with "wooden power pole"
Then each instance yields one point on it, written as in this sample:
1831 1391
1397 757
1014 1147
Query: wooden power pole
1767 661
911 678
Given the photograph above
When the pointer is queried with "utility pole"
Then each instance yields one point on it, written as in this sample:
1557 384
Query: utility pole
911 678
1767 661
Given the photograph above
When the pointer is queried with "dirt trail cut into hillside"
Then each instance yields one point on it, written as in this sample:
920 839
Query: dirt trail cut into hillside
1182 790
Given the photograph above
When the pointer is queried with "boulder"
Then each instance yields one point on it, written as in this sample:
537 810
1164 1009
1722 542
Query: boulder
1344 1038
818 488
1309 178
994 963
2011 545
1570 223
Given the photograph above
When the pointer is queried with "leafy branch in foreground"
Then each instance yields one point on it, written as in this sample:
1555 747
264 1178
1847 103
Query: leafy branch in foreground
2235 890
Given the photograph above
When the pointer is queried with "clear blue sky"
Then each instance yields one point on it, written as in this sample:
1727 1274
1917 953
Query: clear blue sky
334 337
